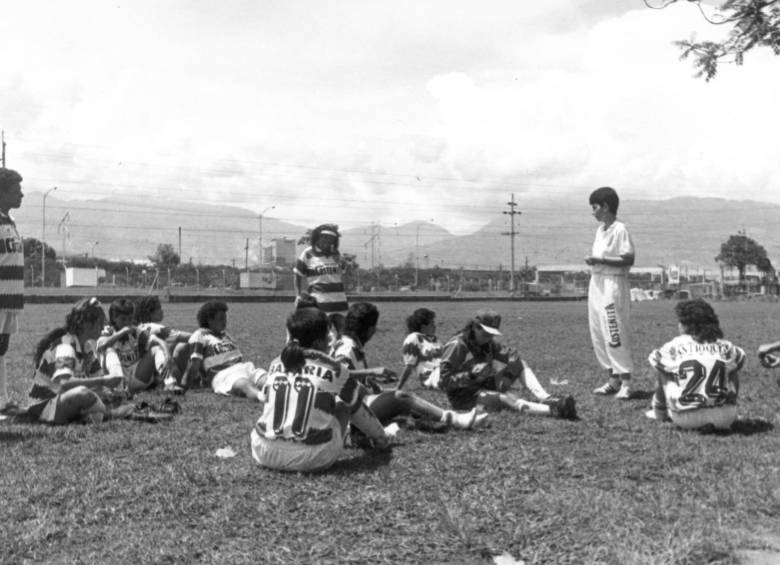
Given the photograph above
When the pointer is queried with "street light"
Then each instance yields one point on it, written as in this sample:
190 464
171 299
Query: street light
260 241
43 239
417 255
92 245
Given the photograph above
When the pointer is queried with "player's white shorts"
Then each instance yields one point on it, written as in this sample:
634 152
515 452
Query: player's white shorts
8 322
719 416
430 379
223 382
286 455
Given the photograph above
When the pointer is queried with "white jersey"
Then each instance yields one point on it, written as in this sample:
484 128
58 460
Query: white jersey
423 354
701 370
613 241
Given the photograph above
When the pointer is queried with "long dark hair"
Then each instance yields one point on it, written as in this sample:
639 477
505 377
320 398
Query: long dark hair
360 318
85 311
306 326
699 320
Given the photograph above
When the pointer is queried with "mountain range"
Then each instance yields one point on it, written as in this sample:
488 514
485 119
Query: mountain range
679 230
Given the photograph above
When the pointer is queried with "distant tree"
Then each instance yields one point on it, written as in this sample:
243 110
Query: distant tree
32 248
305 239
767 269
740 251
165 256
753 23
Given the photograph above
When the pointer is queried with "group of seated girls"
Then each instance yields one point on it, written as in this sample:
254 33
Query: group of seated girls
87 370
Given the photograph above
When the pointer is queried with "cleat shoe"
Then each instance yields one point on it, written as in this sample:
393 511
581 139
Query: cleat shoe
605 390
564 408
624 393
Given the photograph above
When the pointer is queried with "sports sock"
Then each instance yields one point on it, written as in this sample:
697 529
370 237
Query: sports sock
160 360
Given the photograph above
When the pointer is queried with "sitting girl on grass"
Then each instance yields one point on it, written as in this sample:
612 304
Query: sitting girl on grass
475 369
148 317
308 400
698 380
359 326
421 349
216 359
69 385
124 351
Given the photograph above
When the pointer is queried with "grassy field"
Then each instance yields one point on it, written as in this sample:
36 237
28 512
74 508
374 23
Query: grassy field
610 488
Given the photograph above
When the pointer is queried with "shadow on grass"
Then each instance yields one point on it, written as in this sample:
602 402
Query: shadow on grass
641 394
750 426
742 427
362 462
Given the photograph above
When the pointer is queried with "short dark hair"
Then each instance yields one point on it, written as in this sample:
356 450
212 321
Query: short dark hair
360 318
419 318
605 195
118 307
8 178
699 319
305 326
144 307
208 311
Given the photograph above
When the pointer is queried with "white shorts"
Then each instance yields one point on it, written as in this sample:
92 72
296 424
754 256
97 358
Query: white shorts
286 455
431 380
8 322
223 382
719 416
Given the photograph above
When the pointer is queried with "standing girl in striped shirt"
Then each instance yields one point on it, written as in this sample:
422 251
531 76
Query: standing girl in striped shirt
318 273
11 271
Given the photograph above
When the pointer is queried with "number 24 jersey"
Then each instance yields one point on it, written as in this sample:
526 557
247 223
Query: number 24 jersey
701 370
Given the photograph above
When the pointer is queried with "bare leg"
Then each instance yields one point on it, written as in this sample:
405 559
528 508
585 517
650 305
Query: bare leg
493 400
389 404
79 403
245 387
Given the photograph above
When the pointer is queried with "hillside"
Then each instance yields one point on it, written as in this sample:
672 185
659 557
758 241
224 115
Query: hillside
664 231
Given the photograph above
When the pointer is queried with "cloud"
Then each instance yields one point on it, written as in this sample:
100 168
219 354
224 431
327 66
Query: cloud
360 112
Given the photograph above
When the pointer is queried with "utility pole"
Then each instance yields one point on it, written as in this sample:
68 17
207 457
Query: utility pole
246 256
512 234
373 240
179 244
3 138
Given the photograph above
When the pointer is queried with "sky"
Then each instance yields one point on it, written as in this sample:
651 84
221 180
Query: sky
358 111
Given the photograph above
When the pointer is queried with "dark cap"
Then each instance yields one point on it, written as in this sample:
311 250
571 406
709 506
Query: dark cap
489 320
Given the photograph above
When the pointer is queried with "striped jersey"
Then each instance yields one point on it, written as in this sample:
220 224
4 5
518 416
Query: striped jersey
321 277
613 242
128 349
11 265
62 361
702 370
217 352
422 352
348 351
302 406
